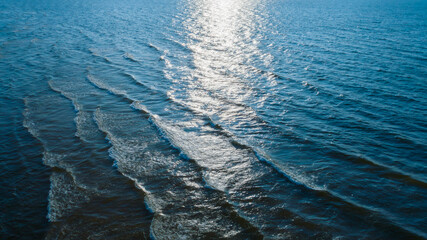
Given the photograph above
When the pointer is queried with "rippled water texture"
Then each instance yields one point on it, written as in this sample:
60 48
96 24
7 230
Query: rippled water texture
213 119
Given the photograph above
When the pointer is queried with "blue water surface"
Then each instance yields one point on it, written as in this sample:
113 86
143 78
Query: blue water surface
203 119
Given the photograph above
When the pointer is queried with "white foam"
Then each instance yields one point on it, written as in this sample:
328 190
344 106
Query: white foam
102 85
64 196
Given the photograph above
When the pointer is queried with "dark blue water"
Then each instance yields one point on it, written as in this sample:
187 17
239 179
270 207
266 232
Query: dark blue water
202 119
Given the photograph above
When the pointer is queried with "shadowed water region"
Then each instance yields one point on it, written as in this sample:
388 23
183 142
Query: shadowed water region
213 119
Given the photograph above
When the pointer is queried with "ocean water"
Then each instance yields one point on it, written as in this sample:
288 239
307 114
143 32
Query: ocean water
213 119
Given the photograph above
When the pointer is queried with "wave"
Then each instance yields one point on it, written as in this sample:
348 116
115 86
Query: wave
101 85
155 184
259 120
389 172
83 119
95 53
65 196
152 46
175 136
76 186
130 57
65 189
163 130
185 143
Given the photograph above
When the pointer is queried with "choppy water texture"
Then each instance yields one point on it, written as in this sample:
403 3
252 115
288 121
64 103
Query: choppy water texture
213 119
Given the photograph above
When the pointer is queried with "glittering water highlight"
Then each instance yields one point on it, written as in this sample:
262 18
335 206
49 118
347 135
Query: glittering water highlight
200 119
